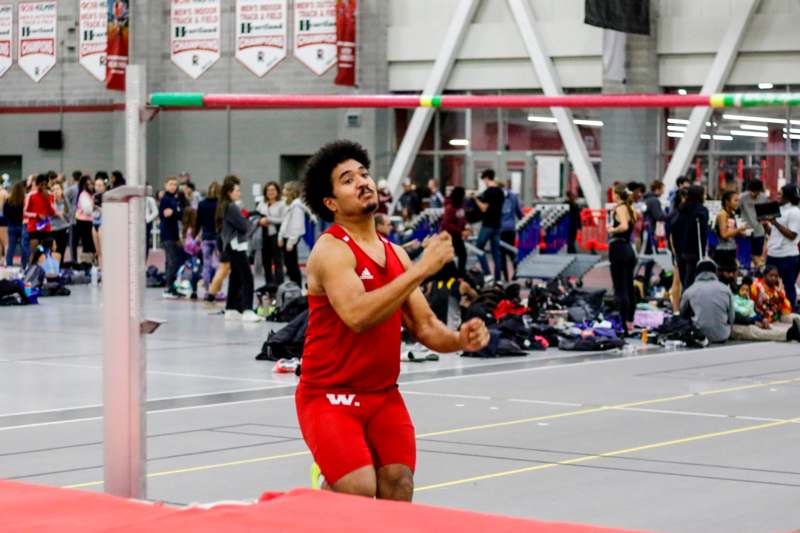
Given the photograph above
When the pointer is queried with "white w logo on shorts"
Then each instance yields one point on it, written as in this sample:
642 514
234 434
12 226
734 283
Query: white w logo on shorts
342 399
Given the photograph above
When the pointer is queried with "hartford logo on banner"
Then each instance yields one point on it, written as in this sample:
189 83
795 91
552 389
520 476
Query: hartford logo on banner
92 33
6 37
261 34
315 34
346 42
195 35
36 54
118 29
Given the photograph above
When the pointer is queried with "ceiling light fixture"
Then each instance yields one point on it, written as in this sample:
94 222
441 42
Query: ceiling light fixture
538 118
459 142
753 127
590 123
748 118
765 86
740 133
682 92
674 134
676 128
677 121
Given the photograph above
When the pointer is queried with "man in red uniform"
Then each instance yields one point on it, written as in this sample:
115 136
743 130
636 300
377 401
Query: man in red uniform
361 289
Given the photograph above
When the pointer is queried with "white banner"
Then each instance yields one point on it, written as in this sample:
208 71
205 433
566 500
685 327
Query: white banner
315 34
36 52
548 176
92 36
6 36
195 37
261 34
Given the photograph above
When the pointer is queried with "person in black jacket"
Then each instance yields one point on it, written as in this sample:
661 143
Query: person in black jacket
170 213
653 214
234 230
690 234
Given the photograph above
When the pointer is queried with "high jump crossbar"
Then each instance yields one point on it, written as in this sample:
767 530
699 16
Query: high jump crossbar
310 101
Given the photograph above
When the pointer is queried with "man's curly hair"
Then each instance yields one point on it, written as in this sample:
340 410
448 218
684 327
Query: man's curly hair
317 181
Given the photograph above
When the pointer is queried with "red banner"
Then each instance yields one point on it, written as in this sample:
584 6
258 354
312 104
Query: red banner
117 47
346 42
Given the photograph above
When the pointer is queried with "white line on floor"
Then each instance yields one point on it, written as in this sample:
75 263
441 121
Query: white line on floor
443 395
159 372
545 402
673 412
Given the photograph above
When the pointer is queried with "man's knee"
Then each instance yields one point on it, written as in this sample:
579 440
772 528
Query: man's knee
360 482
395 482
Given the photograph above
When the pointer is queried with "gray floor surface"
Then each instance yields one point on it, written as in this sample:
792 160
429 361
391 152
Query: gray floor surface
680 441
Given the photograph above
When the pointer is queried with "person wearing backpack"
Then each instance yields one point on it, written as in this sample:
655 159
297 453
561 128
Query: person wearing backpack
690 234
292 230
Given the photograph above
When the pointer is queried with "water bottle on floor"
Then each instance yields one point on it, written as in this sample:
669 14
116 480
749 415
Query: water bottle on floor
93 276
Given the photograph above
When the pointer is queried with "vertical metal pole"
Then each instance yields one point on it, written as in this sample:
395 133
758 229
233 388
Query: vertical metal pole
124 381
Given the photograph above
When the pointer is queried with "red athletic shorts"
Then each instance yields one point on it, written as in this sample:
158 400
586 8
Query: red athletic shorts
346 431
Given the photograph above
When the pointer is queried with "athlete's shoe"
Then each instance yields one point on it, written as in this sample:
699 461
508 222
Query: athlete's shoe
232 314
286 366
317 479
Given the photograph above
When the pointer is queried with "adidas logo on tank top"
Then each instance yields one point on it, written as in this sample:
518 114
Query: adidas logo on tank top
366 274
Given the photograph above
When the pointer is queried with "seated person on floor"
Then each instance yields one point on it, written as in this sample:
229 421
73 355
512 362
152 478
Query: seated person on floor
771 303
745 307
709 303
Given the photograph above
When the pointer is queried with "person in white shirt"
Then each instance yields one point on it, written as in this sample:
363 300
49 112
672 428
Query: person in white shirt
292 230
150 216
784 236
273 210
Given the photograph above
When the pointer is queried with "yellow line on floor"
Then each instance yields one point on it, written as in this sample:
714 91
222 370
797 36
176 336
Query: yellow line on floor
493 425
614 453
201 468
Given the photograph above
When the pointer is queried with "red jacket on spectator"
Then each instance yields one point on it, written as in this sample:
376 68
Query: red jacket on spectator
454 220
39 207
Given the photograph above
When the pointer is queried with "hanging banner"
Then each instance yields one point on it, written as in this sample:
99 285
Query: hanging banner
315 34
6 36
118 27
195 41
346 42
37 22
261 34
92 34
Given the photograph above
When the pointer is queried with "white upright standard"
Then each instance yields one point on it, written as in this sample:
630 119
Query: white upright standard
124 365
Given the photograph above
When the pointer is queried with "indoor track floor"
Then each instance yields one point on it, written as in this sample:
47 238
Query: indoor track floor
701 440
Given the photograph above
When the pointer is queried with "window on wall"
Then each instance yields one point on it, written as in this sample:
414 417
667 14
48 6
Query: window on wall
422 169
452 129
402 118
485 129
741 144
452 170
531 130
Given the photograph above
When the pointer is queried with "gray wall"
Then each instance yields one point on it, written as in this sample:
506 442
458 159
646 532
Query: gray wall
209 144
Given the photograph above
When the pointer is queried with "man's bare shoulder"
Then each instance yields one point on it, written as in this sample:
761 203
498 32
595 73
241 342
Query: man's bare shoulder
327 251
402 255
328 256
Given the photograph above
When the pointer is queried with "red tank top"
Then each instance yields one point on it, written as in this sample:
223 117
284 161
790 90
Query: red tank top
336 357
